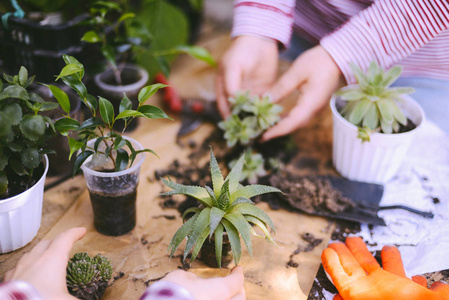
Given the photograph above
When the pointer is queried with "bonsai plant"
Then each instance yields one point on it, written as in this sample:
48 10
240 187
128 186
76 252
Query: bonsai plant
24 132
88 277
250 117
376 122
226 213
110 162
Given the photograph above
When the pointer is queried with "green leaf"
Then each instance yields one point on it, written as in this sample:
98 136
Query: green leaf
61 96
262 226
398 114
199 243
190 210
91 102
1 86
243 228
217 177
218 243
391 75
196 192
250 209
235 174
119 142
371 119
3 182
30 158
23 75
148 91
65 124
211 194
234 238
46 106
384 107
33 127
91 123
253 190
106 110
199 53
121 161
79 160
153 112
74 146
70 69
358 73
359 111
201 223
223 200
76 85
216 215
129 113
240 200
125 104
14 91
91 37
13 112
5 124
387 128
17 167
181 234
126 16
4 157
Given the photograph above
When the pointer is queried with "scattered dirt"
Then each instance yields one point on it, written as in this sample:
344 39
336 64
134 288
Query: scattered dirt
312 243
310 194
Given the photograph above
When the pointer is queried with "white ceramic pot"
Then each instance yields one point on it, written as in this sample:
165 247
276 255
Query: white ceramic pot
378 160
20 216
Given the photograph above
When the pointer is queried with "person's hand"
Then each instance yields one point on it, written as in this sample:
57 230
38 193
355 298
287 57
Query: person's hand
250 64
317 77
44 267
358 276
218 288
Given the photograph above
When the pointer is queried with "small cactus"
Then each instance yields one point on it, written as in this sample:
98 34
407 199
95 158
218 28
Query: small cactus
87 277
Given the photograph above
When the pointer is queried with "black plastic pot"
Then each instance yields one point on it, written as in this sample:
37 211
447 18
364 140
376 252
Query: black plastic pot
208 252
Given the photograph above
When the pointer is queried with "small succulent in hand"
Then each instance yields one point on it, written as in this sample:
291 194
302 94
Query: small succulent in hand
251 115
88 277
226 207
372 103
253 167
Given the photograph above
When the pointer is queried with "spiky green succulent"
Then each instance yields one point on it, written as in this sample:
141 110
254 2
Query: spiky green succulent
372 103
87 277
224 207
253 167
251 115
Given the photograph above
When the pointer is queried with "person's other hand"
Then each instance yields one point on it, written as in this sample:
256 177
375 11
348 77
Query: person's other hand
250 64
44 267
315 74
218 288
358 276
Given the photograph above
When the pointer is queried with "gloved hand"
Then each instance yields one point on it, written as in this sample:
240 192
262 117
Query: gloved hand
357 275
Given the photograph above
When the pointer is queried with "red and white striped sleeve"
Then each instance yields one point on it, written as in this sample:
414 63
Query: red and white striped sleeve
18 289
266 18
387 31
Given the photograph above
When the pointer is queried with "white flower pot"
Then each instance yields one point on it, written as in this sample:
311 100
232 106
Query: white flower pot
20 216
378 160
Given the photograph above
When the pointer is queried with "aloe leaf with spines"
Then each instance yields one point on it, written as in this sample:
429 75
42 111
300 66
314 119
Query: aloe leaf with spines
88 277
223 208
100 126
372 103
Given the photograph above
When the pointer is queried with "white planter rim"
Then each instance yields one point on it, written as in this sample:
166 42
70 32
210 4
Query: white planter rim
18 200
348 124
123 88
137 162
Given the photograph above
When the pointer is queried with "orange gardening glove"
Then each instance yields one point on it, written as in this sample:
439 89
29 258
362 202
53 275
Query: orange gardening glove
357 275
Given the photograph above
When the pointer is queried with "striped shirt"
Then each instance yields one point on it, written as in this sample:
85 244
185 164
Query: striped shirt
411 33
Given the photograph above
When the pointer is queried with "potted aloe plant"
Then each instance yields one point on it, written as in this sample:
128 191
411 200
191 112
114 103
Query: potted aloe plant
250 117
24 132
225 213
110 162
374 125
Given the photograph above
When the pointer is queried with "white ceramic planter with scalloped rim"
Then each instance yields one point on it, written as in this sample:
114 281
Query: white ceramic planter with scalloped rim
20 216
378 160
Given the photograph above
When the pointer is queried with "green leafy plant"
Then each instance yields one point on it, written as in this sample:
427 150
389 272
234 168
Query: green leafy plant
121 33
250 117
88 277
24 131
224 207
253 167
372 104
100 125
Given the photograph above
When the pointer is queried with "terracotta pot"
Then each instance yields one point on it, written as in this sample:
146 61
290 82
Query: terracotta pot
208 252
378 160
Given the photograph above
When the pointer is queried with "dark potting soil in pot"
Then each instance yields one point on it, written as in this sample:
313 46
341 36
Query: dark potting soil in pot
114 210
208 253
19 184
